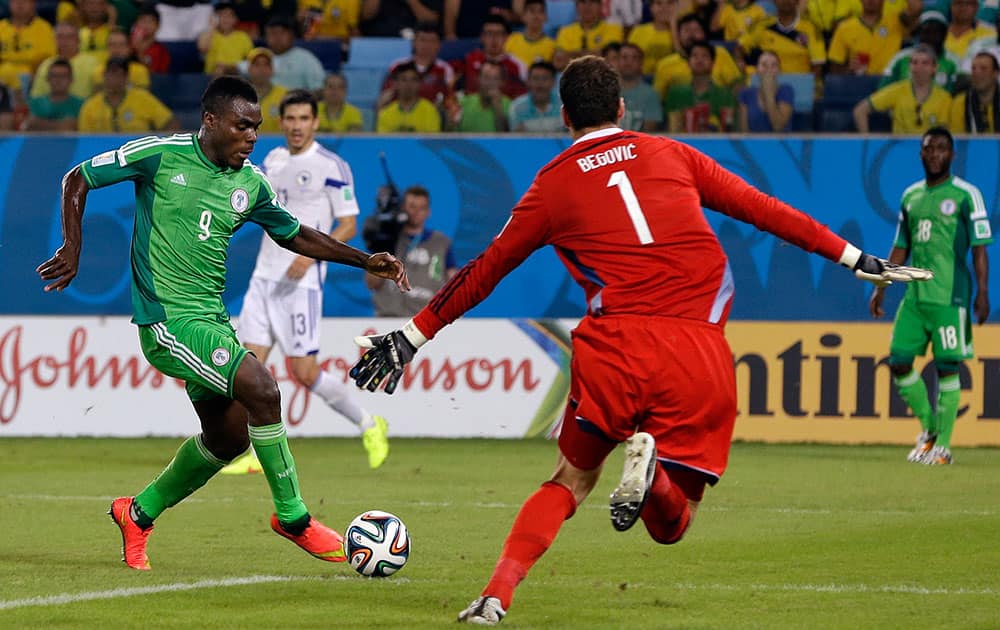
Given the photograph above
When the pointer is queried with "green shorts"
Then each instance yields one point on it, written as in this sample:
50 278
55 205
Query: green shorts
947 328
202 351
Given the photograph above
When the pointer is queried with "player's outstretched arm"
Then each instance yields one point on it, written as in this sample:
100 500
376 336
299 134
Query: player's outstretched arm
65 263
319 246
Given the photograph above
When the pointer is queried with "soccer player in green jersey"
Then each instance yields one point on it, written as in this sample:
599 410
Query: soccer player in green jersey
193 191
940 218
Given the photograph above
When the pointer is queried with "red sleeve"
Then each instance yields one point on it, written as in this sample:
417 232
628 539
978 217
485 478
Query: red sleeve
527 230
725 192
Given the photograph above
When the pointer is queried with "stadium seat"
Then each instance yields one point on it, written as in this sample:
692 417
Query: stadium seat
802 121
844 90
190 119
559 13
328 51
368 118
184 57
835 119
377 52
179 91
768 7
458 48
804 86
363 85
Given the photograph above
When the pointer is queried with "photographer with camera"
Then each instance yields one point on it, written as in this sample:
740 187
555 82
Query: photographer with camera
400 228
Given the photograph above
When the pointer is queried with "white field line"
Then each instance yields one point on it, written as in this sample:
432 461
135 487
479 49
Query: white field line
118 593
591 505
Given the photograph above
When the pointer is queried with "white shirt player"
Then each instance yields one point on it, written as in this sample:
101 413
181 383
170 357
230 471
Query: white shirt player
316 186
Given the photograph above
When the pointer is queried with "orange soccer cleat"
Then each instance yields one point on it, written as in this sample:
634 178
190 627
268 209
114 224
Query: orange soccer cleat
134 538
317 539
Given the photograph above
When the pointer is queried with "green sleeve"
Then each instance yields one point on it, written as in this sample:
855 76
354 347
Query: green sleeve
137 161
268 213
978 221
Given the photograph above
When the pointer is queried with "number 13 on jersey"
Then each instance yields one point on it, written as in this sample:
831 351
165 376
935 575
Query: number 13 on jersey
621 180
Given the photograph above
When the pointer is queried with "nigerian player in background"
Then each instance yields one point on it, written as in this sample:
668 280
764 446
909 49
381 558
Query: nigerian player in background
940 218
284 303
651 366
192 193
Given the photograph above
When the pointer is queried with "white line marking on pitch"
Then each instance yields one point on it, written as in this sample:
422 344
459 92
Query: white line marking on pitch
117 593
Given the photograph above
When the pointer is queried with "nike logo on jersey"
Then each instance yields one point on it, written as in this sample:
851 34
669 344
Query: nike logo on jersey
179 179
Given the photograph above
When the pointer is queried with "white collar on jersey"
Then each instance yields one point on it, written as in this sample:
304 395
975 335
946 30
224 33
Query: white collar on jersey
600 133
308 152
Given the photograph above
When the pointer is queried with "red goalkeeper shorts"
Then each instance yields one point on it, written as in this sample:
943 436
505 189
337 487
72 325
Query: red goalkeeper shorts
672 378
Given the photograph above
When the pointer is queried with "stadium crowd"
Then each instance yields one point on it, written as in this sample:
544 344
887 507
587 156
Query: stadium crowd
492 65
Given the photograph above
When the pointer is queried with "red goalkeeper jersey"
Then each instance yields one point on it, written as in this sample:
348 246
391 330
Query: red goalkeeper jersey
624 213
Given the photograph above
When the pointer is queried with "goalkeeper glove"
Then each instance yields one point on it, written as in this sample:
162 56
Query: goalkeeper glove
879 271
386 358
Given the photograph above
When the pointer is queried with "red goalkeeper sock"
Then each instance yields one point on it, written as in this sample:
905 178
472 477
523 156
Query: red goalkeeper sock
533 531
666 513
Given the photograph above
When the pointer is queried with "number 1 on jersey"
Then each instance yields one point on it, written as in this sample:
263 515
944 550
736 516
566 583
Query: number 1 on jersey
621 180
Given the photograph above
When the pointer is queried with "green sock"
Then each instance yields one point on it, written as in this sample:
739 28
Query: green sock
191 467
913 390
271 446
949 389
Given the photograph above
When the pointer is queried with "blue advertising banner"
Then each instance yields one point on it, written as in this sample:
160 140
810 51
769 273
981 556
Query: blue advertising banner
851 184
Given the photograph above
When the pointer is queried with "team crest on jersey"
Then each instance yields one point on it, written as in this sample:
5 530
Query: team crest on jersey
220 356
948 207
303 178
239 200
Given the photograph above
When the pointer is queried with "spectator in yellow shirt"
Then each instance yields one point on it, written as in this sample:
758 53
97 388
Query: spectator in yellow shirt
656 38
333 19
224 46
25 41
409 112
68 47
119 48
590 33
965 28
917 103
797 42
674 70
96 22
121 109
260 69
827 14
736 18
532 45
977 110
866 43
335 113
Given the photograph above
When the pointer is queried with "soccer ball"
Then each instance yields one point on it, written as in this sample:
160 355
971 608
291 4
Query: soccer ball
377 544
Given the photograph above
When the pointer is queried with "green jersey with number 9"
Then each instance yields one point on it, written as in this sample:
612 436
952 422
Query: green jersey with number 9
187 209
939 224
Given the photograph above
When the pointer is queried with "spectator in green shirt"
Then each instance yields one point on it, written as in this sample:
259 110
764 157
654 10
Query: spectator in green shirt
702 106
56 111
486 110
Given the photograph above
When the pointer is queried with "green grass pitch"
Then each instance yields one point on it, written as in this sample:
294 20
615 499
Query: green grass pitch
799 536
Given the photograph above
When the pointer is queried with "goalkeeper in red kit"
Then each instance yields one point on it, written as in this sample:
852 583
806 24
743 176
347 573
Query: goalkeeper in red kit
651 366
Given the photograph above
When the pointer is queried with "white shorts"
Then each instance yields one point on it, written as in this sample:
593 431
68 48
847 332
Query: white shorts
282 313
